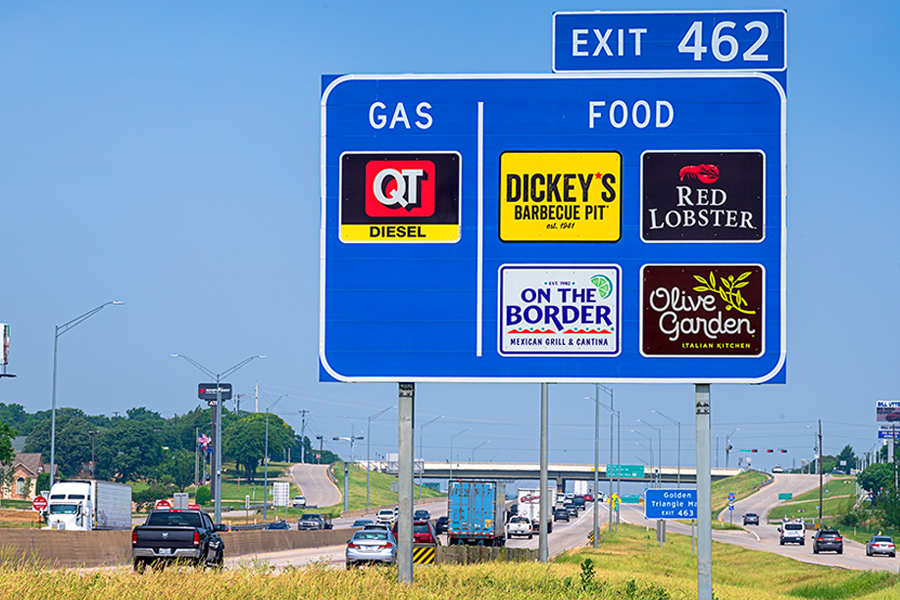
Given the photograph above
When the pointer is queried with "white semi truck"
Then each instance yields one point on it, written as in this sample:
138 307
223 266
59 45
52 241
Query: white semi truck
530 505
88 505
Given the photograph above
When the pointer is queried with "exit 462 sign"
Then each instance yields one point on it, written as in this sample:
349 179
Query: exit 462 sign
619 227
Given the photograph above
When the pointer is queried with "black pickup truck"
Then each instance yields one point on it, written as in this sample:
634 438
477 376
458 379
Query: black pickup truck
170 535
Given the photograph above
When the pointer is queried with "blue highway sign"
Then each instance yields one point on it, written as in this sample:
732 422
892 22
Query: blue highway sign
611 227
670 504
682 41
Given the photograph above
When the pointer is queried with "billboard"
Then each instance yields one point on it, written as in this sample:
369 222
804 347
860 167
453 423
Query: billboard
208 391
887 411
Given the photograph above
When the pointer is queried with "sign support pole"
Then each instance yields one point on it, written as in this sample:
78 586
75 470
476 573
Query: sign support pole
543 550
704 494
407 399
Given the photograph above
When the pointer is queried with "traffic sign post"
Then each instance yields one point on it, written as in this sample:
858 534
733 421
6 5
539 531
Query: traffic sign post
163 505
39 504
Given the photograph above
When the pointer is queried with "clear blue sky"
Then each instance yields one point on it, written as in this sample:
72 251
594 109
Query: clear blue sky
166 154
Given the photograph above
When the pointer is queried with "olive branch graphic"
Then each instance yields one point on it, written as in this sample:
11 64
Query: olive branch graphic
729 290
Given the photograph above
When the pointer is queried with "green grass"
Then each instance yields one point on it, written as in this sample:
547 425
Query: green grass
839 495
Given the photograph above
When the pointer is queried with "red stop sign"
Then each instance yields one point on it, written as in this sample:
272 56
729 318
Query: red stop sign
163 504
39 503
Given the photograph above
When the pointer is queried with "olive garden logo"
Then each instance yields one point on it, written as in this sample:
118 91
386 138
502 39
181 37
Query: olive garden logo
702 310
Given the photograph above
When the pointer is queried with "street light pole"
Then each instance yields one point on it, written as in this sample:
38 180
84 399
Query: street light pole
650 438
217 443
659 451
678 424
477 447
728 444
421 455
61 329
451 453
618 460
368 445
352 439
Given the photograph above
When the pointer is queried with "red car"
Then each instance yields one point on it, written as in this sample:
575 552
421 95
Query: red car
588 497
423 533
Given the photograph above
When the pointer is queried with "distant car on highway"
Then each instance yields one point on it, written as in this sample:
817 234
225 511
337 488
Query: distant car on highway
777 469
371 545
423 533
442 524
588 497
362 522
578 501
386 515
573 510
313 521
280 525
751 519
299 502
881 544
828 539
422 515
561 514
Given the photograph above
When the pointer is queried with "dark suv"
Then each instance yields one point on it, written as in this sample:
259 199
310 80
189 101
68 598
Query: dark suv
828 539
751 519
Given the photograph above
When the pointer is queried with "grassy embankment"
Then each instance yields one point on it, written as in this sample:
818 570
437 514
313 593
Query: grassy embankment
743 485
629 564
839 496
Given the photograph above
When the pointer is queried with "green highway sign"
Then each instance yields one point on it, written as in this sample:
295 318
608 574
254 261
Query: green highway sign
787 496
626 471
631 499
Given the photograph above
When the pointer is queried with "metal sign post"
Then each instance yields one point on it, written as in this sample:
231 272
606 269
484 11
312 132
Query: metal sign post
406 450
704 494
543 549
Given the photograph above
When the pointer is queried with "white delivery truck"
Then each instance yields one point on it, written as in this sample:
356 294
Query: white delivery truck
530 507
88 505
582 487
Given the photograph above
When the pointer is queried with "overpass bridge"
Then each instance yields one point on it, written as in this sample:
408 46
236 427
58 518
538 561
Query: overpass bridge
560 472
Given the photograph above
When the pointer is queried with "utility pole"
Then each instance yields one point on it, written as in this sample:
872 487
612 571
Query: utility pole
303 414
820 473
321 439
237 404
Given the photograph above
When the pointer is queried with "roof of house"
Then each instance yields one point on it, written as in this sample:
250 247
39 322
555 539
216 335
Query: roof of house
33 462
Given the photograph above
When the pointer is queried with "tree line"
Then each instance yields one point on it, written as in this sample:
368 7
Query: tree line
141 445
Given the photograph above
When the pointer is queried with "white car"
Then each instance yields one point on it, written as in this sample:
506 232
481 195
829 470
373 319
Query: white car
777 469
519 526
299 502
793 532
387 516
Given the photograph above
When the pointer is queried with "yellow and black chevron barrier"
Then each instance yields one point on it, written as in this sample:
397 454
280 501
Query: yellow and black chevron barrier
423 555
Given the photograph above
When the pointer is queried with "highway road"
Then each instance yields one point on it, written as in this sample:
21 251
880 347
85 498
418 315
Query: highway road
765 537
317 486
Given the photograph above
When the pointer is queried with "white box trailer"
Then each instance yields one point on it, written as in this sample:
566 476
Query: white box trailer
530 506
89 504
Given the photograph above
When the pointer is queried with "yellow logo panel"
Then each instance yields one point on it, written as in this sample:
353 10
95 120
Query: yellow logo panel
560 196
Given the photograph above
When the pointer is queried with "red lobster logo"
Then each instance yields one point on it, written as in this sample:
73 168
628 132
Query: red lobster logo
705 173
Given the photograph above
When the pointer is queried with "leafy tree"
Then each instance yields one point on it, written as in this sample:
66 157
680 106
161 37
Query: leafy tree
142 413
73 442
7 433
147 497
245 441
178 468
203 495
846 455
888 507
128 451
876 477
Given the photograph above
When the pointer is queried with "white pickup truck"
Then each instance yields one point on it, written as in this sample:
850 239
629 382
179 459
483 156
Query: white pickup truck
519 526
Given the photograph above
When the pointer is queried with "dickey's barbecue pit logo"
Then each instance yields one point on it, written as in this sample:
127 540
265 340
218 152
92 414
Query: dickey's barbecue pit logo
703 196
560 196
400 197
702 310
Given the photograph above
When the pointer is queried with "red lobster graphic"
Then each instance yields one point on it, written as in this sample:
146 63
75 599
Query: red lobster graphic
705 173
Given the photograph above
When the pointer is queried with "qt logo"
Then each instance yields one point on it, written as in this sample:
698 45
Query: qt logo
400 188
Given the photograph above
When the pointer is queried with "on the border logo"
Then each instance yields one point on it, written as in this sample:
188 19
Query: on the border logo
560 196
702 310
400 197
559 310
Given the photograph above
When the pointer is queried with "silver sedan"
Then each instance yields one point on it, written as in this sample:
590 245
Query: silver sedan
371 545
